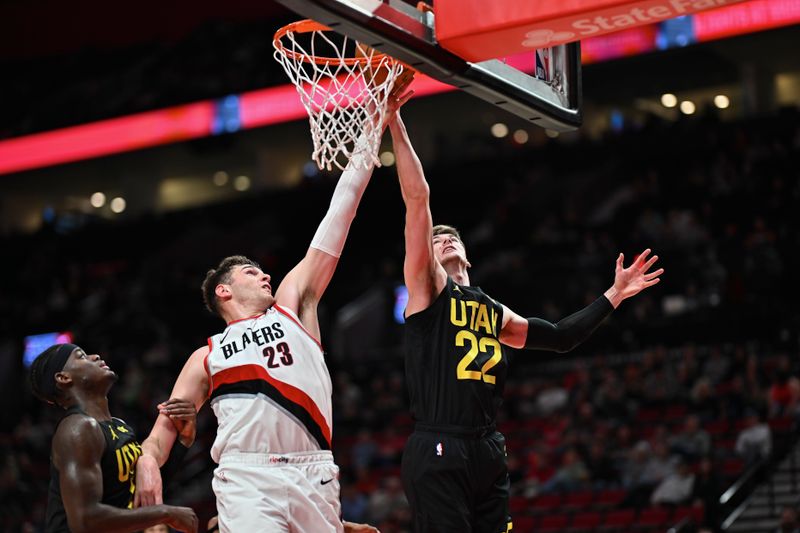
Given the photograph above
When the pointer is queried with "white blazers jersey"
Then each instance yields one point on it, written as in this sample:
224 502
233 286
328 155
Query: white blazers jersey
269 387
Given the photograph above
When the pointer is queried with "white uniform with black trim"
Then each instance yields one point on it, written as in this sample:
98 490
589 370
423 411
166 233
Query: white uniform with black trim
271 392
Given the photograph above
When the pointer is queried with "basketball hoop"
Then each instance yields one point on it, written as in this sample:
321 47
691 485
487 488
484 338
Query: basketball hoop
343 85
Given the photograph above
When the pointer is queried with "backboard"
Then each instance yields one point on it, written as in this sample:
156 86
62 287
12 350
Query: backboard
543 86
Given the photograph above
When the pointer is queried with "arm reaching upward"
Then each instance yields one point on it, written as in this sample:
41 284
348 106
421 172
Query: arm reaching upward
566 334
424 276
304 286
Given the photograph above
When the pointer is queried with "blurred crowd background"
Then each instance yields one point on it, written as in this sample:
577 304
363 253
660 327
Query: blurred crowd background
659 412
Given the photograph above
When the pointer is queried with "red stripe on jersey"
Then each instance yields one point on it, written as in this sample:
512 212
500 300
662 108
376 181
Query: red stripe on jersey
290 317
290 392
208 368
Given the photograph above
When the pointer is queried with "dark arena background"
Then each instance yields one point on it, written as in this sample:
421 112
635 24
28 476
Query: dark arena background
140 144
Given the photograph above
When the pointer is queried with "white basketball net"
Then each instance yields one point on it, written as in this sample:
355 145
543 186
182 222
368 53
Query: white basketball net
345 96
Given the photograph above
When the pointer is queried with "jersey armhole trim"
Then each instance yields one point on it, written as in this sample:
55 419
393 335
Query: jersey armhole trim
287 314
208 369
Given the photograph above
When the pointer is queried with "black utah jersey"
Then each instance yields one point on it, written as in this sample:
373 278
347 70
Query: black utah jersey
455 365
118 466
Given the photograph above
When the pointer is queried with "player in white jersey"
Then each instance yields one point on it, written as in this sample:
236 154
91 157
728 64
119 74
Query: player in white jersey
269 388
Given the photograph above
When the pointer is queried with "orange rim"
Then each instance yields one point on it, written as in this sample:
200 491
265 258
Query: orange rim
310 26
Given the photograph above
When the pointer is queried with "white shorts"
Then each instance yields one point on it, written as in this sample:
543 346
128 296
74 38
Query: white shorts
293 493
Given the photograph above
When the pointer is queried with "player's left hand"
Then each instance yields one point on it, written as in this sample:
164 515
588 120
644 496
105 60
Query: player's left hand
637 277
183 415
351 527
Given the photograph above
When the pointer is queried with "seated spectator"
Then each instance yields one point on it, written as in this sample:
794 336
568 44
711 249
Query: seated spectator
676 488
702 400
572 474
693 442
354 504
755 440
789 521
601 469
660 465
784 394
633 468
386 500
657 466
706 490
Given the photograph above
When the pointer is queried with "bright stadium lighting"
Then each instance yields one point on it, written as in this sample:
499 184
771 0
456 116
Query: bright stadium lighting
220 178
118 204
241 183
722 101
98 200
688 107
520 136
669 100
387 159
499 130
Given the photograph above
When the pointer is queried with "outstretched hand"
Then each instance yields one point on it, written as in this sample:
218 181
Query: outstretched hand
183 415
634 279
399 95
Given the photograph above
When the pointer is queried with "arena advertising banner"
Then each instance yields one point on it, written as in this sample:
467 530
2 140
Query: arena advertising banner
478 30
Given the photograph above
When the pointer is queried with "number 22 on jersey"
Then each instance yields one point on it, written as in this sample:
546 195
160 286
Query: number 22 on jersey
476 346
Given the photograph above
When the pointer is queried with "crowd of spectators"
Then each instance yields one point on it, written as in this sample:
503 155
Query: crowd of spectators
668 401
215 59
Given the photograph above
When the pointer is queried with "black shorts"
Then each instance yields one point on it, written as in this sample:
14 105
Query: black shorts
456 483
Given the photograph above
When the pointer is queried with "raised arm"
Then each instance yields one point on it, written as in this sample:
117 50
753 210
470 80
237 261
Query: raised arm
567 333
424 276
78 447
192 385
304 285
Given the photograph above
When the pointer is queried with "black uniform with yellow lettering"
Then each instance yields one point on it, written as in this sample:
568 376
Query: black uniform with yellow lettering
454 465
118 465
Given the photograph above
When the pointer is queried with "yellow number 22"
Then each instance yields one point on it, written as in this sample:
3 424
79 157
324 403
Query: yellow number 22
475 347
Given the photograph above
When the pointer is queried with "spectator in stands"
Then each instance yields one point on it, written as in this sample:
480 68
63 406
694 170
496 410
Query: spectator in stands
652 466
784 394
789 521
716 366
354 504
676 488
572 474
386 500
755 440
601 469
702 400
706 490
693 442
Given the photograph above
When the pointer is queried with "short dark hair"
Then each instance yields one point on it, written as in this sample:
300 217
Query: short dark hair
221 274
442 229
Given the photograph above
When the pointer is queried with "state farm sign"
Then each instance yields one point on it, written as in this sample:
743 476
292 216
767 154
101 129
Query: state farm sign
480 30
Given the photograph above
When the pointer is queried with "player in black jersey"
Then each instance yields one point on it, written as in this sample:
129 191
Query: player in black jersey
454 465
93 455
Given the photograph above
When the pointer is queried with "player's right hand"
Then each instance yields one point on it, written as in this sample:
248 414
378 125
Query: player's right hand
182 519
148 482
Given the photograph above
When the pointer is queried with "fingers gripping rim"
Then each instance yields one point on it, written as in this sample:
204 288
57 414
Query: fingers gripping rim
344 86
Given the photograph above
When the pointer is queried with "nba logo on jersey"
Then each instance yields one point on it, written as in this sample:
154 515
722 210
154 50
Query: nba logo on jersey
439 449
543 64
